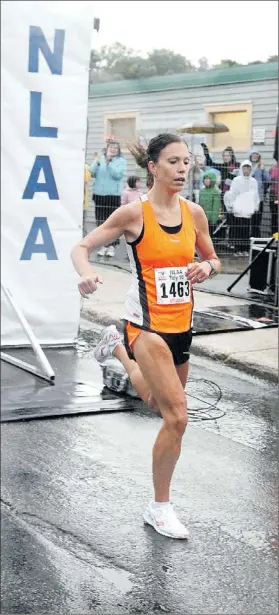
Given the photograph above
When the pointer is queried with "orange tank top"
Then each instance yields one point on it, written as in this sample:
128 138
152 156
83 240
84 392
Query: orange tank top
161 297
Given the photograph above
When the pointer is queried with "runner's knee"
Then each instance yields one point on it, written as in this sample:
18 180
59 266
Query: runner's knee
175 417
177 424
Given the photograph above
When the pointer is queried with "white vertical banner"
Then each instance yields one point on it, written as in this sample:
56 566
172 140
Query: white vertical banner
45 53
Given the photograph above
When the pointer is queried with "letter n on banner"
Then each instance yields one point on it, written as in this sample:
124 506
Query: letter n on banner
54 59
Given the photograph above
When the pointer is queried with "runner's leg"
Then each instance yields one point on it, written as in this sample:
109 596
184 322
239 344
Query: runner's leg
172 403
157 367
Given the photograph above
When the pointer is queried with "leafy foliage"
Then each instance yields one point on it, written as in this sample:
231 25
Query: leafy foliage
116 62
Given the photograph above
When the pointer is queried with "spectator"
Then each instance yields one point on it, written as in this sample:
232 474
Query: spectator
210 200
132 192
87 178
273 173
263 179
242 201
226 168
199 170
108 169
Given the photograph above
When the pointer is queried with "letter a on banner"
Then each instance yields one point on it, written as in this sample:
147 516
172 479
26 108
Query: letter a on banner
31 247
42 163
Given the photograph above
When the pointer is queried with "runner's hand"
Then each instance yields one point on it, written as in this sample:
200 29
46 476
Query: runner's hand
88 284
198 272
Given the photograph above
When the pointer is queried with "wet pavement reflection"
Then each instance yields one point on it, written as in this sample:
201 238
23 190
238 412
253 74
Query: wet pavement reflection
73 490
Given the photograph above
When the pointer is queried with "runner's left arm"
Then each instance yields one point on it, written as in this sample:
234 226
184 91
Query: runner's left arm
201 271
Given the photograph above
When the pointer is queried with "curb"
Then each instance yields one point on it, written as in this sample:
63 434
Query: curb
266 373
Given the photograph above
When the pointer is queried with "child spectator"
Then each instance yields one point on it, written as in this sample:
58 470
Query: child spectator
226 168
132 192
210 200
199 170
243 202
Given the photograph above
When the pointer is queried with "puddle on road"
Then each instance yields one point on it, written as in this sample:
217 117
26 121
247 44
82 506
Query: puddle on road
240 424
120 578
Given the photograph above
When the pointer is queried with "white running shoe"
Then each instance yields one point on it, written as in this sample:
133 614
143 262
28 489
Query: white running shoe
102 251
110 251
110 338
165 521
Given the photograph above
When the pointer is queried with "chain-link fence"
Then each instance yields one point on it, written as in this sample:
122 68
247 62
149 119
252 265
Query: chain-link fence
238 209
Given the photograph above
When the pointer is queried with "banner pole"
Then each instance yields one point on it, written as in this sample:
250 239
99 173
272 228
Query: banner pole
46 367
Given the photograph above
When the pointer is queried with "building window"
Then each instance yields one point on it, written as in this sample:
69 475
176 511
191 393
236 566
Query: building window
238 119
122 126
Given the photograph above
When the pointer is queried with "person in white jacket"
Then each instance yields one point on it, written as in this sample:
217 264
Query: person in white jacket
242 200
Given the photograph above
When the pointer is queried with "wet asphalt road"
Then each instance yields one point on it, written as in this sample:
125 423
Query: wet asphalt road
73 490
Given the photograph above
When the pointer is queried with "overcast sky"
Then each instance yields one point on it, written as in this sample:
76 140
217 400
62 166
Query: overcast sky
240 30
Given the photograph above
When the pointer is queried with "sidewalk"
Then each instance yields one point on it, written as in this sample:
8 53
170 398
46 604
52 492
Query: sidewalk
255 352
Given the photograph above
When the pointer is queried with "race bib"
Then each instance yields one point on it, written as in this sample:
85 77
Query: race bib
172 285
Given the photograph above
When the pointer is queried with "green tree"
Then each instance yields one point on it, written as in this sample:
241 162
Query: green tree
227 64
116 62
112 55
167 62
119 62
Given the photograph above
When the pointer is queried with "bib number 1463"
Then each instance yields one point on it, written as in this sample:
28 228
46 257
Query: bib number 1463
172 285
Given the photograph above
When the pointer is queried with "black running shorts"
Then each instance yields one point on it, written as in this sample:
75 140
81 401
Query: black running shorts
178 343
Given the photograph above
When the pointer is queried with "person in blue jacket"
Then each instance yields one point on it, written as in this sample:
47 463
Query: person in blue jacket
263 180
108 171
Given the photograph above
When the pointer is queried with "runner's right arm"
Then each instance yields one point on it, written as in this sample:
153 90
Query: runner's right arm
122 220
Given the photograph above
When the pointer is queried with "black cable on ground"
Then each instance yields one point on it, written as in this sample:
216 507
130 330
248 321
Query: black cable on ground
197 413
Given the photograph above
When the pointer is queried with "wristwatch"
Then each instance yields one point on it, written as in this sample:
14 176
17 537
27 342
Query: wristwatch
213 271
